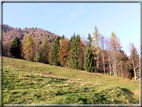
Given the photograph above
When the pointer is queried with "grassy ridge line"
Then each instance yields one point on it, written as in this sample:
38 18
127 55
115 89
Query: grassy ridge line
29 80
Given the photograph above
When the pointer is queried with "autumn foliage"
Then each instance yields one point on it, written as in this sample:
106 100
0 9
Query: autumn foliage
28 49
82 51
64 52
97 54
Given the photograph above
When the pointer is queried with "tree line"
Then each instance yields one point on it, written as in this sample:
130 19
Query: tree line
97 54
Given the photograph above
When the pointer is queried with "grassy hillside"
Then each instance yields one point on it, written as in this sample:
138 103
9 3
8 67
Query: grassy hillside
27 82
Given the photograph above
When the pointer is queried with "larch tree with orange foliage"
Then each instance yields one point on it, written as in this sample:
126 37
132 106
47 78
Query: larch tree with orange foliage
64 52
96 48
28 48
82 45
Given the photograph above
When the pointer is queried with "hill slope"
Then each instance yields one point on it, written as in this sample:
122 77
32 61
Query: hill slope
27 82
10 33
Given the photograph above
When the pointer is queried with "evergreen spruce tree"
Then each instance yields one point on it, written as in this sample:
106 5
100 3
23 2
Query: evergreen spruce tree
37 57
44 50
55 52
35 49
15 48
74 57
63 37
77 50
88 63
89 42
72 38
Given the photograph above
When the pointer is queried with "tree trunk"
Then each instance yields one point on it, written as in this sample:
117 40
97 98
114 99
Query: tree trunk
6 50
121 69
36 51
103 62
104 68
97 62
114 67
110 69
135 75
109 65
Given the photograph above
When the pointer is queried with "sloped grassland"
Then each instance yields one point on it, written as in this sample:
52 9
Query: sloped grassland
27 82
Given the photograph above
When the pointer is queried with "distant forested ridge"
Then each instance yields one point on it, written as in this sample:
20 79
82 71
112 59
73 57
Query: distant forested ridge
9 33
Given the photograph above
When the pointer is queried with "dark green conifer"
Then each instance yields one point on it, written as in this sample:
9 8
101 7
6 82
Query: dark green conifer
74 57
37 57
55 52
44 50
89 42
63 36
88 63
15 48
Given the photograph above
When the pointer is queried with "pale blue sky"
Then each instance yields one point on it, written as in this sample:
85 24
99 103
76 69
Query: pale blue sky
80 18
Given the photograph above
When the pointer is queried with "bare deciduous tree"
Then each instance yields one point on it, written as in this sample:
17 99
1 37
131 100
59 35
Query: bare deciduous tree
134 59
103 52
109 55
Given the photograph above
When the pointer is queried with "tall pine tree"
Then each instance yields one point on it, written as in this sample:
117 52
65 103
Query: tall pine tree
75 48
55 52
72 41
44 50
88 63
89 42
37 57
63 37
15 48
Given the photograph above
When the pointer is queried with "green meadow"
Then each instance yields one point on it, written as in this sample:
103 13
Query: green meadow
26 82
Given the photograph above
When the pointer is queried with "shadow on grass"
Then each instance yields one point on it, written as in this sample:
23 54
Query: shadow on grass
115 95
55 78
11 57
127 91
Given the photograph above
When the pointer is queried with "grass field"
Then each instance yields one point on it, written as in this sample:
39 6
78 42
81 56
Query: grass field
27 82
